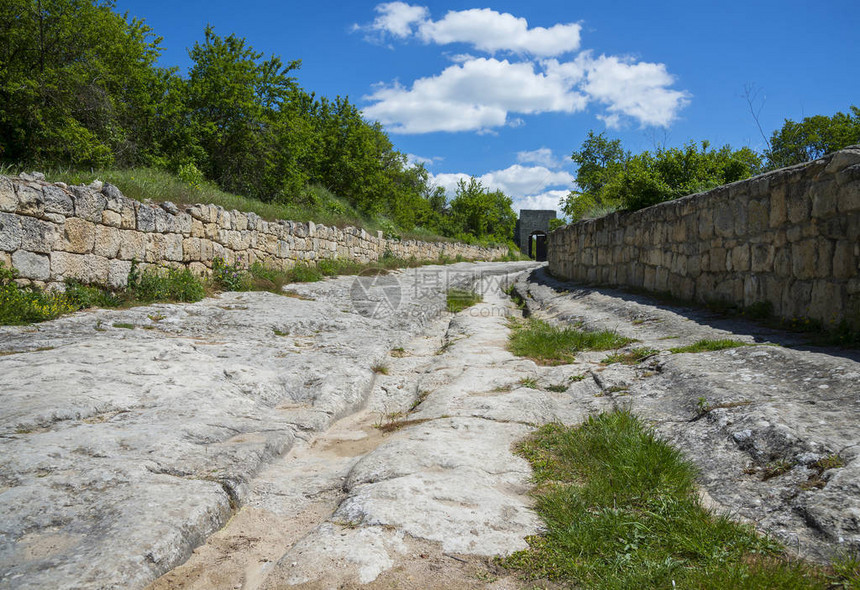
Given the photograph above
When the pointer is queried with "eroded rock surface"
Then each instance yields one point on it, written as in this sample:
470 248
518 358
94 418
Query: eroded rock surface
128 437
774 430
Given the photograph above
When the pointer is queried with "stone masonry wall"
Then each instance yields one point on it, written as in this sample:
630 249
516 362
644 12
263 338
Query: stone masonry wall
790 237
52 232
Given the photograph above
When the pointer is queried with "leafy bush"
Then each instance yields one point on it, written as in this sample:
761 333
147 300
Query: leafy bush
21 305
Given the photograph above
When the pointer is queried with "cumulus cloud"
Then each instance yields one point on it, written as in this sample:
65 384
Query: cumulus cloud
516 181
475 95
638 90
396 19
482 94
485 29
542 156
491 31
547 200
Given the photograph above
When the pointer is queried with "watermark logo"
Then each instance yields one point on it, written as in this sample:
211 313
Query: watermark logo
375 294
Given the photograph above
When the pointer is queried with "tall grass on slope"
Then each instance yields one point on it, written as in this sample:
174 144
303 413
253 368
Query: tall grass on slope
621 511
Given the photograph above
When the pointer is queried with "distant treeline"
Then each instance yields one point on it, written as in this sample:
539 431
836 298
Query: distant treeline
80 89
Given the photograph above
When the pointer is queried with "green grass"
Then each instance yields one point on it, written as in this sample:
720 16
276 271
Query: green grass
460 299
622 511
633 357
708 345
551 345
163 284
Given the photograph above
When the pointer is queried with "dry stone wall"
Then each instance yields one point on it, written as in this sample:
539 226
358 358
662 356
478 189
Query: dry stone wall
790 238
53 232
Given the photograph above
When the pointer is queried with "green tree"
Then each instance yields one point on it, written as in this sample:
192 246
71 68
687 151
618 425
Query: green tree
613 178
481 213
234 100
599 160
795 143
78 85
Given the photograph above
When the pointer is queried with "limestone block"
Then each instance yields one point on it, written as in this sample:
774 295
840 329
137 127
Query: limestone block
824 258
8 198
198 269
88 203
224 219
823 195
741 258
191 249
241 221
253 221
723 222
38 236
57 201
782 262
111 218
6 259
32 266
798 203
197 229
207 251
107 241
757 217
844 260
79 236
171 245
778 211
211 231
129 215
761 257
132 245
718 258
803 258
182 223
163 221
753 290
10 232
826 302
31 200
739 215
113 198
146 218
118 273
843 159
848 197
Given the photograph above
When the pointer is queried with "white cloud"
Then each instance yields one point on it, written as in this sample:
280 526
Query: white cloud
542 156
515 181
482 94
474 95
395 18
638 90
485 29
548 200
413 160
491 31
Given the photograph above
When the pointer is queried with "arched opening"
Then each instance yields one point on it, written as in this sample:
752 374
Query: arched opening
537 245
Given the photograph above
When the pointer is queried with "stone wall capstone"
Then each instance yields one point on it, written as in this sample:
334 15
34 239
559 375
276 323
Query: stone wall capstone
789 238
51 232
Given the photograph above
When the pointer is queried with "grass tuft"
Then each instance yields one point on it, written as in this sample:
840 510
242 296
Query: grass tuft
633 357
708 345
552 345
460 299
622 511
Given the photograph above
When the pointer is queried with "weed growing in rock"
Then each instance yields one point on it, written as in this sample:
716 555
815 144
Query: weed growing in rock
622 511
460 299
552 345
633 357
123 325
379 369
560 388
709 345
529 382
164 284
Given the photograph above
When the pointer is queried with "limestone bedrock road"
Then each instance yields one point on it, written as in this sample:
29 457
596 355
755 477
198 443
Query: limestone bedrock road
123 450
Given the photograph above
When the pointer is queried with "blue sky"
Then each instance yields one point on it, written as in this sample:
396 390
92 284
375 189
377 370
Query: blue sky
505 91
